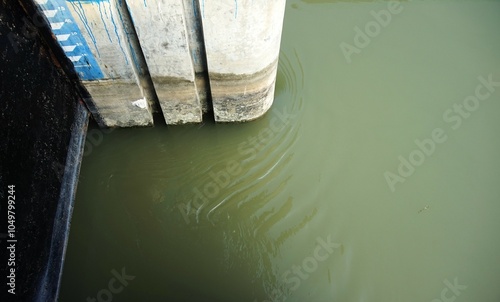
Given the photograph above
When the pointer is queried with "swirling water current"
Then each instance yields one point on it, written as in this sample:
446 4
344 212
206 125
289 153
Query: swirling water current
375 176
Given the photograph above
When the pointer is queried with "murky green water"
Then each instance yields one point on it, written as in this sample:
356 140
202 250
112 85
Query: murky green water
307 203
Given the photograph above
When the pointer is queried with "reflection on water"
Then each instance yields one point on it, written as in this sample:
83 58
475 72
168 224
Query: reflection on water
295 206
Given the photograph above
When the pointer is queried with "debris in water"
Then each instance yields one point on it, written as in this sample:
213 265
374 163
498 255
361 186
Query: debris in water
424 209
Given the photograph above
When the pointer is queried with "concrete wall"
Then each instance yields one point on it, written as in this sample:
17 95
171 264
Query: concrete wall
93 36
162 29
200 56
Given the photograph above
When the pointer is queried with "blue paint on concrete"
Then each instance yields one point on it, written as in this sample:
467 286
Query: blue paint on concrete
236 9
87 1
71 39
81 14
104 22
195 56
118 36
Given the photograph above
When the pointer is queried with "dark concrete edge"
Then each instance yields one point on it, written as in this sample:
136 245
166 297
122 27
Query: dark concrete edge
48 285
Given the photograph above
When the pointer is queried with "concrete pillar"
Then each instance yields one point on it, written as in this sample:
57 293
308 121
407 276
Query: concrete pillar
242 41
129 53
170 42
93 37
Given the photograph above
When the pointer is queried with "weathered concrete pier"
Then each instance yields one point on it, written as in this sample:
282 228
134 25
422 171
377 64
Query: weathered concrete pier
182 58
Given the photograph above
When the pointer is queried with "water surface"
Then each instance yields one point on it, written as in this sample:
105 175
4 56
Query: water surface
307 204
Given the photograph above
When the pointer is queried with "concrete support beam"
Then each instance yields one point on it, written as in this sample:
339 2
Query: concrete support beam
242 41
197 48
170 46
93 36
